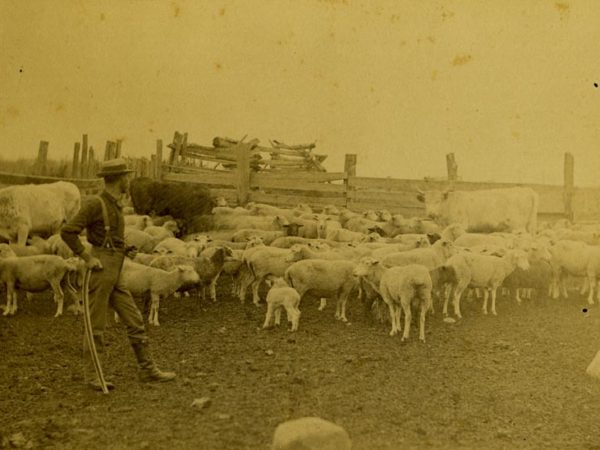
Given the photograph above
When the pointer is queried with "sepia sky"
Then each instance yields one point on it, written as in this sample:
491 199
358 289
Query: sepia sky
508 86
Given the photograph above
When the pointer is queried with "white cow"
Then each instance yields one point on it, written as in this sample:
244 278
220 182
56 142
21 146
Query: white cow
485 210
34 208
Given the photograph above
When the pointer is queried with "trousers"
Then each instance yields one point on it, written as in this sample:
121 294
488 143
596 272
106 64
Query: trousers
105 290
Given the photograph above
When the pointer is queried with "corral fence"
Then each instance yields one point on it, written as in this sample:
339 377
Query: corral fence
239 181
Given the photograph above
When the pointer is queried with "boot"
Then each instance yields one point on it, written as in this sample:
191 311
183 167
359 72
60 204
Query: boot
147 369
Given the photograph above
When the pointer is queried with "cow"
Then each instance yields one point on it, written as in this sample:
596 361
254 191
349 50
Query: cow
40 209
182 201
484 210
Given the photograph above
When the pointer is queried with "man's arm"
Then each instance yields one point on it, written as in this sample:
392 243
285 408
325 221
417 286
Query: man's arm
71 230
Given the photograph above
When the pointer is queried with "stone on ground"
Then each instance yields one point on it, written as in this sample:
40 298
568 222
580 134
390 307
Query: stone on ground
310 433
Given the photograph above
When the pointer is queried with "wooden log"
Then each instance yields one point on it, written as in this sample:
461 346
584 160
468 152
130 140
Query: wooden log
159 159
75 173
279 144
40 167
569 185
243 173
452 167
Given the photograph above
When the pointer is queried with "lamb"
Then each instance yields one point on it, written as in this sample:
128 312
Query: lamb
138 222
37 246
208 265
399 286
282 296
57 246
36 274
140 279
167 230
325 279
488 272
232 268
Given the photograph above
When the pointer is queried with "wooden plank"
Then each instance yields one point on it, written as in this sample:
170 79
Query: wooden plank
75 166
92 163
296 186
308 177
569 183
292 200
84 161
394 208
118 148
159 159
401 198
243 173
224 179
42 159
350 169
13 178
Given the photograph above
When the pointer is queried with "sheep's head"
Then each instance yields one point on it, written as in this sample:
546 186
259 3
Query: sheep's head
383 215
296 253
423 241
171 226
371 215
254 241
187 274
278 282
147 221
519 258
330 209
220 201
446 246
539 251
365 266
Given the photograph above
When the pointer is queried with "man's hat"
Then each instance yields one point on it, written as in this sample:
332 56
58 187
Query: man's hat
116 166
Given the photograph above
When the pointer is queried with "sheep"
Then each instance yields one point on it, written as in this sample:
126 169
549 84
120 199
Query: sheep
232 268
399 286
331 210
472 239
37 246
308 228
324 225
138 222
238 222
430 257
244 235
221 201
488 272
140 240
379 253
578 259
6 251
591 237
224 210
35 274
140 279
362 225
128 210
167 230
208 265
383 215
325 279
266 261
370 215
176 246
57 246
288 241
282 296
343 235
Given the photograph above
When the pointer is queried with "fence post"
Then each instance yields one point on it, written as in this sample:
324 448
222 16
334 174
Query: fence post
75 166
243 173
40 164
91 163
350 169
84 161
569 185
118 149
159 159
452 167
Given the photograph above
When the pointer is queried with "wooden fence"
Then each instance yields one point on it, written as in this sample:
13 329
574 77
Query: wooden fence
243 183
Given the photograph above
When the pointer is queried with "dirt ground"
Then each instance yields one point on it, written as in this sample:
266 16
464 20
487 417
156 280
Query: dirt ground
512 381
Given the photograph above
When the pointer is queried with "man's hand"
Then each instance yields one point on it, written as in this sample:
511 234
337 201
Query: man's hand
91 262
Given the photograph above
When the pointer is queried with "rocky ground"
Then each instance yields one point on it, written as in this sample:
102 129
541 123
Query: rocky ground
512 381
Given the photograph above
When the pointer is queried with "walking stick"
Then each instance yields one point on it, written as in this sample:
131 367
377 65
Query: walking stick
88 330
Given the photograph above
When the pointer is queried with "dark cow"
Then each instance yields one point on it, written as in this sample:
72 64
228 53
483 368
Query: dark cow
185 202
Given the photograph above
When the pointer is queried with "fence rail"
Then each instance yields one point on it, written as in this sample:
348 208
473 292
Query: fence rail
242 183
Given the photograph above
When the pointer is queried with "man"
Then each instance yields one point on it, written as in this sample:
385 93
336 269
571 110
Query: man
106 260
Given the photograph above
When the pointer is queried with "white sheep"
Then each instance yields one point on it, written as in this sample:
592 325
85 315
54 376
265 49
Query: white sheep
482 271
266 261
36 274
137 221
140 279
398 286
279 297
167 230
324 279
176 246
244 235
140 240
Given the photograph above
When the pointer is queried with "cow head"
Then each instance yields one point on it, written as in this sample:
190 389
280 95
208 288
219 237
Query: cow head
435 202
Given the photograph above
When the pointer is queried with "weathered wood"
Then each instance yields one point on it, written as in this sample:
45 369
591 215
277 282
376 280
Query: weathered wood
293 200
92 163
569 184
159 159
243 173
451 167
40 167
350 169
84 168
118 148
309 177
75 173
224 179
296 185
153 165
